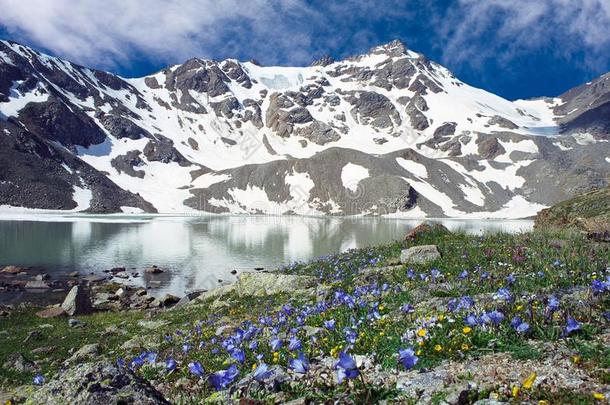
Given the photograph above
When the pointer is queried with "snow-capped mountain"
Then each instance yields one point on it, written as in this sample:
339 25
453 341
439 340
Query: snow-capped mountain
385 133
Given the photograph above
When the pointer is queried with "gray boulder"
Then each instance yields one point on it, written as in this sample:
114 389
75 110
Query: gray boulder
77 302
419 254
97 383
259 284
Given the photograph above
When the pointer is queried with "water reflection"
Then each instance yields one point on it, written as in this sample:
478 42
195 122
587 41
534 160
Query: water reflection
198 251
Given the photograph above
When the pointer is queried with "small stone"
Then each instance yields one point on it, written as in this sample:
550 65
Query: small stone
12 270
121 292
153 270
87 352
419 254
95 278
42 277
77 302
32 335
234 272
44 350
19 363
188 298
37 285
115 270
153 325
75 323
51 312
73 274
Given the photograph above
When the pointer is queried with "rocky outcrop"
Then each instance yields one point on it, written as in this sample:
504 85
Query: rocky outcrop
162 150
374 109
97 383
589 212
419 254
259 284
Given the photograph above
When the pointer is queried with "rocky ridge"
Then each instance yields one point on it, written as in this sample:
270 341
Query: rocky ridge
388 132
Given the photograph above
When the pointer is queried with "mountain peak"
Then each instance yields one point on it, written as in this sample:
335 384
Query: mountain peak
323 61
392 48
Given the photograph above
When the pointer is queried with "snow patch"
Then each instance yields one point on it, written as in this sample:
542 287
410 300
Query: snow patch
18 100
82 197
132 210
300 185
352 175
208 179
412 167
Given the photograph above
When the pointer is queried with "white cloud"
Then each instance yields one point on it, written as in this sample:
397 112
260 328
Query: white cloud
112 33
475 31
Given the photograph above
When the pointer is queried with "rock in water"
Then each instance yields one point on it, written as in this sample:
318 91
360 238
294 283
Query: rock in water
419 254
153 270
97 383
77 302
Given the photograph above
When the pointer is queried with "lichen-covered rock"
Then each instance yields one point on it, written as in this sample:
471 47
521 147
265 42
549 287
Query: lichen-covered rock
97 383
259 284
419 254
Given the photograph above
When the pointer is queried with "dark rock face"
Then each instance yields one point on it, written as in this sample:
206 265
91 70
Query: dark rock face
53 120
502 122
323 61
121 127
97 383
374 109
162 150
33 174
446 129
128 162
490 147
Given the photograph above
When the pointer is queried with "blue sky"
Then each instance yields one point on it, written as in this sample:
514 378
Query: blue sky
517 49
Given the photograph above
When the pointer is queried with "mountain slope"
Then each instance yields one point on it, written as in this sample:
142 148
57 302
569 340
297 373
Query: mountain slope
589 212
385 133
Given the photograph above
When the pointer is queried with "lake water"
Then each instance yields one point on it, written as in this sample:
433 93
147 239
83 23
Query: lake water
198 251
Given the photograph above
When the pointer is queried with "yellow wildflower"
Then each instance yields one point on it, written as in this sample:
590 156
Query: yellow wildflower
253 366
381 307
544 402
515 391
576 359
529 381
599 396
421 333
438 348
519 307
465 346
419 352
441 317
381 333
421 343
467 329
